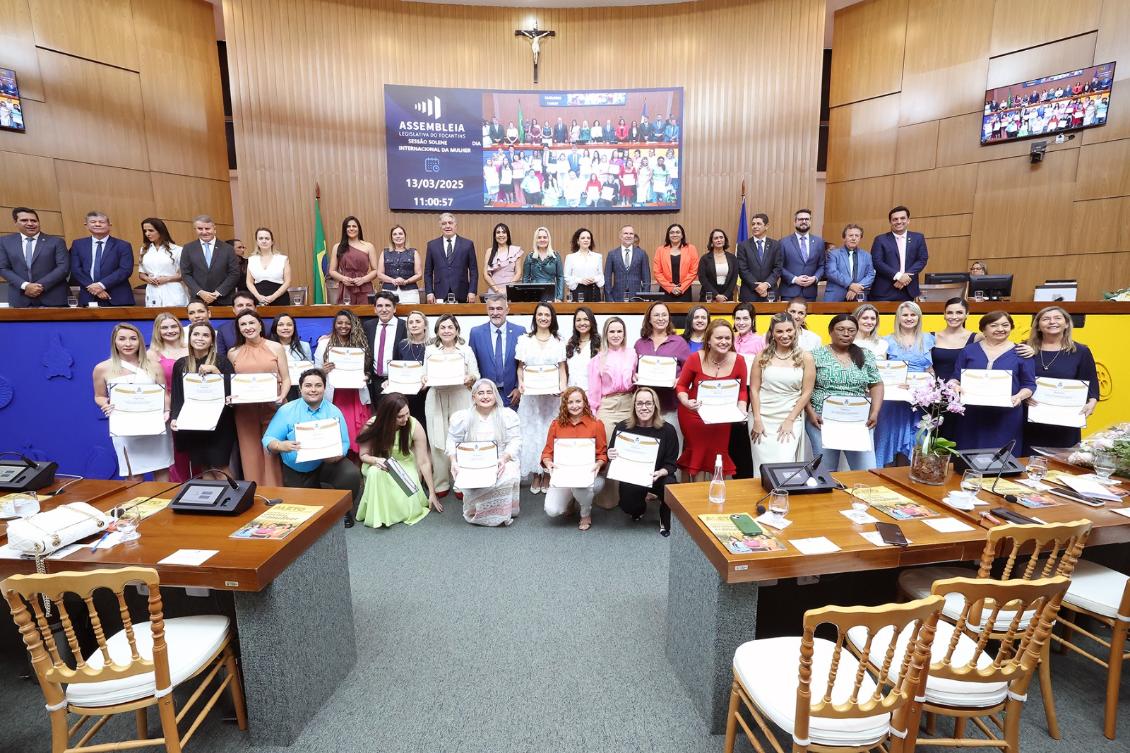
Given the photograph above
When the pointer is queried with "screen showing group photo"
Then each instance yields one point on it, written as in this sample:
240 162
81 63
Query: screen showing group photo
11 109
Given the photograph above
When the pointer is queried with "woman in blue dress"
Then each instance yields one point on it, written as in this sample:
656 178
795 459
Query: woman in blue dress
894 433
985 426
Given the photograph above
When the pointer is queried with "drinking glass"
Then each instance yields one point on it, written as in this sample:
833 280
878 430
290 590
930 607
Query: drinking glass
861 297
297 297
979 296
1037 468
72 301
126 524
25 504
1104 465
770 297
451 297
580 297
859 497
971 482
779 504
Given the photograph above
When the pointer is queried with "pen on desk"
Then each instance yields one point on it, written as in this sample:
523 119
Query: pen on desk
100 540
991 520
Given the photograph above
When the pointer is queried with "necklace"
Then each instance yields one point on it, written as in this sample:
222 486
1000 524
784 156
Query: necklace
541 339
1046 366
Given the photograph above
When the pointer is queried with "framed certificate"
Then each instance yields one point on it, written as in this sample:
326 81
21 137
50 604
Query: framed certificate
719 401
445 370
349 368
574 460
254 388
541 380
139 410
635 460
656 371
318 440
844 423
203 402
477 463
989 387
1059 402
405 377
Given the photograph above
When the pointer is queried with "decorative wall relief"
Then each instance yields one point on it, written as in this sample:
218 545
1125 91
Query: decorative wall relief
7 392
57 360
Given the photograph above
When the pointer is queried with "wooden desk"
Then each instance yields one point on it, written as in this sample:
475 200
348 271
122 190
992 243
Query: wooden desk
281 592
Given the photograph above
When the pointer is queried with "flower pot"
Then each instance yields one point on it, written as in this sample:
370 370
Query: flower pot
929 467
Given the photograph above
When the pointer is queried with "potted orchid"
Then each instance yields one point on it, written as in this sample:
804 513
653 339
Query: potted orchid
930 458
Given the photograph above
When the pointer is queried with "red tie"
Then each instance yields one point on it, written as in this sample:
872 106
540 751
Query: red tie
381 351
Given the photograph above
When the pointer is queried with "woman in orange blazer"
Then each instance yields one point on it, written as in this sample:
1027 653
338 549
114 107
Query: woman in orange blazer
675 265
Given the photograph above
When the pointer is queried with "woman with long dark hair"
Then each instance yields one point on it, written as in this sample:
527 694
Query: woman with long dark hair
353 264
583 344
584 272
399 267
391 437
541 348
675 265
255 354
504 260
284 331
694 330
160 265
443 402
718 269
205 449
354 402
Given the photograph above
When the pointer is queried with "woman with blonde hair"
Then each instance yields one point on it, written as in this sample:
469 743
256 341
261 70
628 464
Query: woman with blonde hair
894 434
780 385
268 271
867 316
129 364
543 264
166 346
574 421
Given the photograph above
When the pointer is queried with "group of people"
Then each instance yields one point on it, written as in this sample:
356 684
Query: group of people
660 130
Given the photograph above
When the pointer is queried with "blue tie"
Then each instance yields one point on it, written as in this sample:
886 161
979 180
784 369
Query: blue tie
96 269
208 254
498 351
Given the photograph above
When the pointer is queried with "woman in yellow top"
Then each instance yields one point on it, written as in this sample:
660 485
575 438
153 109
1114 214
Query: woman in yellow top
675 264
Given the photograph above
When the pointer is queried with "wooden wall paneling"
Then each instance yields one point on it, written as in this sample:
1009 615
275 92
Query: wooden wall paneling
944 226
179 197
49 222
1095 226
100 30
864 202
947 190
916 147
1023 209
949 254
17 47
1096 273
1018 25
181 91
28 181
944 71
39 137
1113 42
959 143
99 101
1104 170
1045 60
874 67
862 139
126 196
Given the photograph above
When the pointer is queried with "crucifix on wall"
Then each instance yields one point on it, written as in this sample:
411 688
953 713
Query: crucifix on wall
535 35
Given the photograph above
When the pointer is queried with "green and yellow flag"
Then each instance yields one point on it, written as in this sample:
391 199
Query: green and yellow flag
521 124
318 279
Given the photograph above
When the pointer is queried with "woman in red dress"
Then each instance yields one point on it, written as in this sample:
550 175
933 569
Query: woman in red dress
704 442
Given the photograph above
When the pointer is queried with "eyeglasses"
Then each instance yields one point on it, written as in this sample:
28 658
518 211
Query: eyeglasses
648 404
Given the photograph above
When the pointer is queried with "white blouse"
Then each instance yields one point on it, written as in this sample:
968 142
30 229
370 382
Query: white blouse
580 265
273 272
463 427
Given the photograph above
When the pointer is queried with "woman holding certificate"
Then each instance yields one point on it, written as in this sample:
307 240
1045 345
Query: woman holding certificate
491 432
995 380
583 345
166 345
207 384
714 380
346 350
260 367
780 385
848 383
449 367
645 449
658 345
1058 358
394 453
908 352
139 451
284 331
575 449
541 380
412 349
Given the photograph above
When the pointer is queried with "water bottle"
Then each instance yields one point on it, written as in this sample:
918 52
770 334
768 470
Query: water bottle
717 493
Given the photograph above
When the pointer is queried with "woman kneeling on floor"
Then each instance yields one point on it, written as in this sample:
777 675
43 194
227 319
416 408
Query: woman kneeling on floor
487 421
575 421
393 446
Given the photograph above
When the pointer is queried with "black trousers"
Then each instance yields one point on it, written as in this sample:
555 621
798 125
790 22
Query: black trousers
340 475
741 450
633 500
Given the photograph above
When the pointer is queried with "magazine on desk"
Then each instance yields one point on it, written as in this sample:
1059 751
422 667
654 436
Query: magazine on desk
737 542
277 523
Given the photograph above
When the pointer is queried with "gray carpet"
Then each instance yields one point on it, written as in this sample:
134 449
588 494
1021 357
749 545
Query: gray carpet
533 638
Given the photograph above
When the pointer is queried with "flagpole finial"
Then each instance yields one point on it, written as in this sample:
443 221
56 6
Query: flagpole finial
743 189
318 190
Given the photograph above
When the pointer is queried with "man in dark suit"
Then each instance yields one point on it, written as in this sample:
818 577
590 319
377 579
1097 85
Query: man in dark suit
225 335
493 344
383 334
34 264
101 265
899 257
802 259
759 261
627 270
451 265
210 267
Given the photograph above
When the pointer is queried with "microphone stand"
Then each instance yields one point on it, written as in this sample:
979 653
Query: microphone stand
809 467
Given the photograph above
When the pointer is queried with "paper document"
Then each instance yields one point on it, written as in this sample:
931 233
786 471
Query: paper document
986 387
893 374
574 462
948 525
541 380
203 402
405 377
318 440
816 545
719 401
297 368
1059 402
844 423
636 457
139 410
254 388
1088 487
898 383
190 557
477 463
349 368
446 370
656 371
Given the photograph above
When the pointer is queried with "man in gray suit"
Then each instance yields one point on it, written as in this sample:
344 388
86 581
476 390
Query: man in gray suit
34 264
627 270
759 261
210 267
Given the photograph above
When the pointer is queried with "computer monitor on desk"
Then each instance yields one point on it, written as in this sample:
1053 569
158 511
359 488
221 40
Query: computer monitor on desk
946 278
530 292
994 287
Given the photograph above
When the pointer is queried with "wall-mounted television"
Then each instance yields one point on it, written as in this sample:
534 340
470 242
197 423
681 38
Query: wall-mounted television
11 108
1048 106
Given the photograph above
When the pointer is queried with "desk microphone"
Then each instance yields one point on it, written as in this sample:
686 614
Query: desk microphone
176 485
810 467
998 459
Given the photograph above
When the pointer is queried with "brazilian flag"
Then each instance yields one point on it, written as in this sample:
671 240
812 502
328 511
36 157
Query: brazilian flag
318 278
521 125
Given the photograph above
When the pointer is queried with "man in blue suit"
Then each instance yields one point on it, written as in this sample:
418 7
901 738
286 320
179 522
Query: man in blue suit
849 271
899 257
34 263
101 265
802 259
627 270
493 344
450 265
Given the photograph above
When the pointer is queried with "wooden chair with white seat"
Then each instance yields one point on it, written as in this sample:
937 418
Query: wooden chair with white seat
137 667
966 679
1103 595
831 703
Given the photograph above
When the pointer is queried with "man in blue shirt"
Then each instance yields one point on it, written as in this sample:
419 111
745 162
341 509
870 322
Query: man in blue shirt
336 472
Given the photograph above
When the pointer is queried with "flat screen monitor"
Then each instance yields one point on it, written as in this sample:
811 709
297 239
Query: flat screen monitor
994 287
530 292
947 278
11 107
1047 106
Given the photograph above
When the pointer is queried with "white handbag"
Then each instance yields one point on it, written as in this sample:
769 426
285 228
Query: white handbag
45 532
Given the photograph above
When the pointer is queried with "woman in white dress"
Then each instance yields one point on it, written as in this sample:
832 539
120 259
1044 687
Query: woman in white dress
541 347
268 271
160 266
582 346
442 403
780 384
487 421
868 338
129 364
